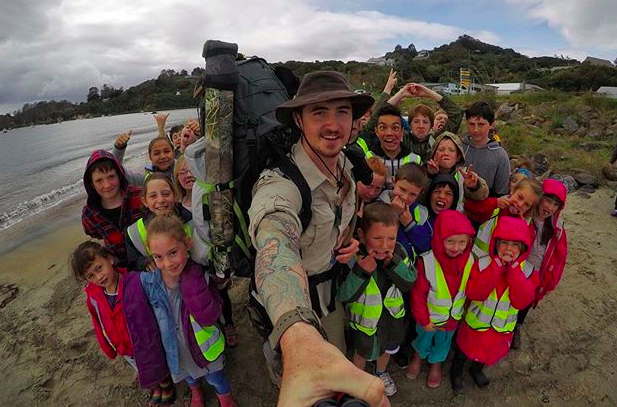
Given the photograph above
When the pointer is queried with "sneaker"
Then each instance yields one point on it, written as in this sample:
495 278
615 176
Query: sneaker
614 213
388 383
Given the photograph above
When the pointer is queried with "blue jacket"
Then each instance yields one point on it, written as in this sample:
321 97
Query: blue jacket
417 238
198 298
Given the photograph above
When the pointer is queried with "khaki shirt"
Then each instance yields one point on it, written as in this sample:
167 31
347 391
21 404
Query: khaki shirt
275 193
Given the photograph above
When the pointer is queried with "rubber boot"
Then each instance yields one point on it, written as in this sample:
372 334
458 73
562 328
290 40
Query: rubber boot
226 400
434 376
197 396
414 367
516 338
478 376
456 372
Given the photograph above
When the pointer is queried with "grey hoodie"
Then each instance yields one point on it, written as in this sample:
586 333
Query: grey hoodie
490 162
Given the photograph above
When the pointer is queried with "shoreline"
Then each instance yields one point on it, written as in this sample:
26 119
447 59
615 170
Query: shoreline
42 223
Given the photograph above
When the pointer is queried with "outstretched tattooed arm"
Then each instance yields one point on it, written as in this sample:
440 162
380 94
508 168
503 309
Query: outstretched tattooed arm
279 275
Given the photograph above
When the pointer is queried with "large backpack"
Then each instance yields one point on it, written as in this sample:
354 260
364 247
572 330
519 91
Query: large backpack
259 142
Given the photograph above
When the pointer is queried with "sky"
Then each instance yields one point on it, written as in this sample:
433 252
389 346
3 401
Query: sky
58 49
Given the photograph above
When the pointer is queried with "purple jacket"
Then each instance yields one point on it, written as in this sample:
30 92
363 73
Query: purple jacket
198 299
144 331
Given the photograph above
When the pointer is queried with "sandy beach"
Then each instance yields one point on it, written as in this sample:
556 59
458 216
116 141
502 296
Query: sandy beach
49 355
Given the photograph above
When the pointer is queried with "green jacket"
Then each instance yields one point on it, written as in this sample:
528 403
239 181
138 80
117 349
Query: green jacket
397 273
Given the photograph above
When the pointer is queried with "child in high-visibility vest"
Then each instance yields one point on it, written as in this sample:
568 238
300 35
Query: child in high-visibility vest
550 247
187 309
159 197
499 286
438 296
525 195
373 291
123 321
409 184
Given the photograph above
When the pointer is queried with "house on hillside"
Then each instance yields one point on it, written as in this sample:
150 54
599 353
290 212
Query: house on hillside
608 91
598 62
381 61
424 54
507 88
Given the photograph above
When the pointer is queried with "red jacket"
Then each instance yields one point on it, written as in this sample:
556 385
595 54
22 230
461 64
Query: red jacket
489 346
109 324
447 224
554 259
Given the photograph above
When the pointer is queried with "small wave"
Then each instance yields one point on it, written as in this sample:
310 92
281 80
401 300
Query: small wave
38 204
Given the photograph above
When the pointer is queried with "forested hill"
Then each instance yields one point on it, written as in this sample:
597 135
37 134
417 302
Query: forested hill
488 64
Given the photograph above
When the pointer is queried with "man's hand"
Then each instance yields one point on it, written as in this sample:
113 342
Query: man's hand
346 253
470 178
391 82
123 140
313 369
367 263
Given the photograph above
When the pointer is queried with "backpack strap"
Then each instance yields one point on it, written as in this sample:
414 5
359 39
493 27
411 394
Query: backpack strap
291 171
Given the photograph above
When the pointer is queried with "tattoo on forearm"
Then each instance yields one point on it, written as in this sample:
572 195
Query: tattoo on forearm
279 275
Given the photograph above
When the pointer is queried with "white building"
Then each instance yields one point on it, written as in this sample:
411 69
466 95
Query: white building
507 88
381 61
608 91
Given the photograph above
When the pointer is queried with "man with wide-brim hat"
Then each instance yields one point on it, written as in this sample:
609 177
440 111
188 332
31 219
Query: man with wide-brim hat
294 269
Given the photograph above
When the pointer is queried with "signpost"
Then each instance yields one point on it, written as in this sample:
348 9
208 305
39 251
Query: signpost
465 79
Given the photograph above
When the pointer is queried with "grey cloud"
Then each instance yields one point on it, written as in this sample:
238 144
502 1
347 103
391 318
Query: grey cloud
71 47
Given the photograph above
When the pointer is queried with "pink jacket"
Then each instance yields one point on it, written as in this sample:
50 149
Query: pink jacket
554 259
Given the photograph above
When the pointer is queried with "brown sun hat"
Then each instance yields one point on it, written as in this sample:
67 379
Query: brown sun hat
322 86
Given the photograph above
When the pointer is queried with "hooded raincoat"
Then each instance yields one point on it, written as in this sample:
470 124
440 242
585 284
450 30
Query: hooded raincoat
488 346
448 223
554 260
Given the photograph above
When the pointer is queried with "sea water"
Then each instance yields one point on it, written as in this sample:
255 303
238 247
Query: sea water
42 166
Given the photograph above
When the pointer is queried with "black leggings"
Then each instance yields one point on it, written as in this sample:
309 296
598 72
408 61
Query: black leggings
522 314
226 318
